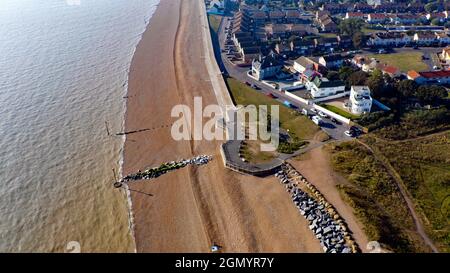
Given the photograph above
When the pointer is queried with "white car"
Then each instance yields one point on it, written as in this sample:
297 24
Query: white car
322 114
348 133
313 110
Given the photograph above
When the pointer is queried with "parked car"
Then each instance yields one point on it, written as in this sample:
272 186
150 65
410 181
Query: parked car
313 110
317 120
247 83
304 111
271 96
348 133
335 121
322 114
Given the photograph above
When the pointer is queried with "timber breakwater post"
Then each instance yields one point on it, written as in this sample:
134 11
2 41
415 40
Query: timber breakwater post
325 222
163 168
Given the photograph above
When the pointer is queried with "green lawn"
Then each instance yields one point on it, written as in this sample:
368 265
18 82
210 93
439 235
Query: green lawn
297 124
328 35
404 61
214 22
339 111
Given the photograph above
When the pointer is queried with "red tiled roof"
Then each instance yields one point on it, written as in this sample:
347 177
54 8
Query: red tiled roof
390 69
435 74
413 74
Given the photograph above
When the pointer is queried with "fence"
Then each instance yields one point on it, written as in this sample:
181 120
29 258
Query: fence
340 95
297 98
244 167
332 114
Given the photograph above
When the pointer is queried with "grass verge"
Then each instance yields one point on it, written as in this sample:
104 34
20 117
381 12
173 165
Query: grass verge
404 61
297 124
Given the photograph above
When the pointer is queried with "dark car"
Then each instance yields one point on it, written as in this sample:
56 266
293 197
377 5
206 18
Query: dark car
247 83
271 96
335 121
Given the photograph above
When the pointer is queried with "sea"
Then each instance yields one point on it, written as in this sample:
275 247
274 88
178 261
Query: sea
63 77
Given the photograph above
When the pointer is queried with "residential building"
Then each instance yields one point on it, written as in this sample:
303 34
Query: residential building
376 18
266 67
432 77
322 87
304 63
390 70
331 61
250 53
389 39
302 46
354 15
445 55
424 38
360 100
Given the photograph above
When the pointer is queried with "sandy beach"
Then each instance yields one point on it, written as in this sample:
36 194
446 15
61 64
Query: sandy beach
189 209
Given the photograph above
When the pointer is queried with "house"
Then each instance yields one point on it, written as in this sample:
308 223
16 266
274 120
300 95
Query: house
302 46
304 63
390 70
406 19
354 15
298 30
363 7
442 38
322 13
276 16
275 31
283 48
340 8
331 61
326 43
360 100
258 17
250 53
445 55
266 67
359 60
442 16
216 7
322 87
344 41
389 39
370 65
328 25
292 16
376 18
424 38
432 77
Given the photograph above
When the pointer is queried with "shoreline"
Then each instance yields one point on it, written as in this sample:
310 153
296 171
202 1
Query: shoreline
127 192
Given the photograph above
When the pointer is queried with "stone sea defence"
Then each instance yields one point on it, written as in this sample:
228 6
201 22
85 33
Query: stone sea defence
324 221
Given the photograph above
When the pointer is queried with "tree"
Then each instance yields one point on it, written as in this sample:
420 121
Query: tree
431 93
436 22
345 72
357 78
333 75
376 83
358 39
351 26
407 88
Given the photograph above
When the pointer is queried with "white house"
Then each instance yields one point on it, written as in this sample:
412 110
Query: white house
216 6
389 39
265 67
360 99
331 61
304 63
424 38
323 87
